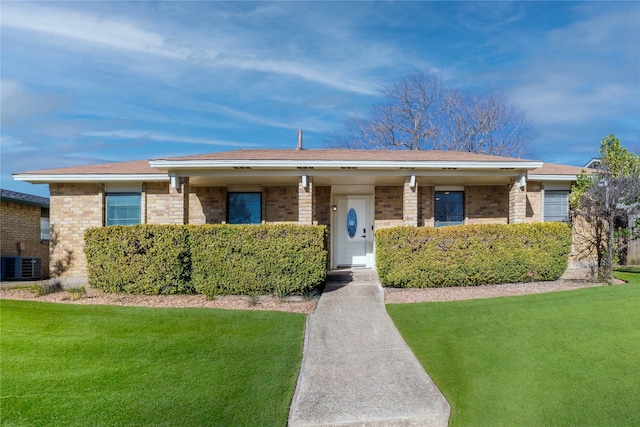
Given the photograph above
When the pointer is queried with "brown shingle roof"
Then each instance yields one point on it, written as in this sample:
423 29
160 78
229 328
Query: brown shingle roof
555 169
347 155
126 168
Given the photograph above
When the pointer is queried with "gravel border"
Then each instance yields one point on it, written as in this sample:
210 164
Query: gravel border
400 296
295 304
232 302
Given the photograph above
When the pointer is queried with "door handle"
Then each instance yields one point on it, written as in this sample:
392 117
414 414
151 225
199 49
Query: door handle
364 230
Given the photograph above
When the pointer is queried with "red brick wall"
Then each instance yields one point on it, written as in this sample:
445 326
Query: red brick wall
21 223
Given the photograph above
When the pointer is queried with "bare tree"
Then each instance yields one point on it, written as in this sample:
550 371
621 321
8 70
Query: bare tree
602 198
421 113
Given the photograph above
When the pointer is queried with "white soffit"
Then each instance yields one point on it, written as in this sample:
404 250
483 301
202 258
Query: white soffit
274 164
552 177
39 178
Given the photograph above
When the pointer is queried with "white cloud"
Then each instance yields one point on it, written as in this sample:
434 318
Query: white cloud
110 32
160 137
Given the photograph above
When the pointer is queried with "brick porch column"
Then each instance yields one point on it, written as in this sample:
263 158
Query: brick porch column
305 201
517 203
178 201
409 203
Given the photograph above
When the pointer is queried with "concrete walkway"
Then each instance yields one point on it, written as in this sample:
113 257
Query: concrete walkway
357 369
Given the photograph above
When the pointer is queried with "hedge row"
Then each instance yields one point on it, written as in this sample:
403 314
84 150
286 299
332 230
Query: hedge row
472 254
208 259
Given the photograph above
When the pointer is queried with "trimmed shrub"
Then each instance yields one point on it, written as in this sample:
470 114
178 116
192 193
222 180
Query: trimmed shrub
209 259
470 255
277 259
139 259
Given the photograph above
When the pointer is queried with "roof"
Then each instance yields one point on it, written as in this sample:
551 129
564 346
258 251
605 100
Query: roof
349 155
27 199
281 159
555 172
134 167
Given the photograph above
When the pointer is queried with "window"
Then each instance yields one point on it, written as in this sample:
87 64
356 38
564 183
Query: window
123 208
556 206
244 208
449 208
45 228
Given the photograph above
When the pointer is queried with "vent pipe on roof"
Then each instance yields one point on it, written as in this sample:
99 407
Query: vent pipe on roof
299 147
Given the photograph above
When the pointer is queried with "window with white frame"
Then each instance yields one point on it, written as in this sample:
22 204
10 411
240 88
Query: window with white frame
123 209
556 205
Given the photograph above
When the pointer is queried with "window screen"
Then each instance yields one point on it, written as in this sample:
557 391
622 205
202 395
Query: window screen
244 208
556 206
123 208
45 228
449 208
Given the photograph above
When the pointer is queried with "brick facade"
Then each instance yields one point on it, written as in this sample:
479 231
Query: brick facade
322 205
73 208
207 205
535 202
305 202
388 207
517 203
166 205
426 199
487 204
410 203
280 205
20 224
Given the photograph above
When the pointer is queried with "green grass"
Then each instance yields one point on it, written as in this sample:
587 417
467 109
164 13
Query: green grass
68 365
560 359
627 269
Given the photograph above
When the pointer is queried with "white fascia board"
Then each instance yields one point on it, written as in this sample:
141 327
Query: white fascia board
41 179
552 177
205 164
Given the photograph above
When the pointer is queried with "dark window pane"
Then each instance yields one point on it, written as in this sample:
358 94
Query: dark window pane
123 208
449 208
244 208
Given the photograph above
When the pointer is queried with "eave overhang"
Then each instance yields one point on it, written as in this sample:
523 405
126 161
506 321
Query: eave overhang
43 179
552 177
169 165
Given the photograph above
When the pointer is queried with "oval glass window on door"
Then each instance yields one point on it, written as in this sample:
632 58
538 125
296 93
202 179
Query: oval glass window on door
352 223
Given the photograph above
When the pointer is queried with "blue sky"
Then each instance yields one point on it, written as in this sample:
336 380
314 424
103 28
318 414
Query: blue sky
93 82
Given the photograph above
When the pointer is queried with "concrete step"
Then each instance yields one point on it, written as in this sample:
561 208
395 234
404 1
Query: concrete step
352 275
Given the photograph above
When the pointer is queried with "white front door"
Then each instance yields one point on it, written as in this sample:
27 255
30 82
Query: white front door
353 230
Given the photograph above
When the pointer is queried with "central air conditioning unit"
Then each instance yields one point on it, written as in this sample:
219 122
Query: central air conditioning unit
21 267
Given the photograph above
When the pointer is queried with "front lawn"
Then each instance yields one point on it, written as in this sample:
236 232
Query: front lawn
566 358
105 365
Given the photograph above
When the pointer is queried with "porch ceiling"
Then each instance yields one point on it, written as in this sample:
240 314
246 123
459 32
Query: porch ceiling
352 179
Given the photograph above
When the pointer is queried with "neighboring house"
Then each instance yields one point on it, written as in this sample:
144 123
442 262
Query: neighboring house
352 192
24 228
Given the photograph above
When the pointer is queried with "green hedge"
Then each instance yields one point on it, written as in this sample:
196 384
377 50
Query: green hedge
258 259
472 254
208 259
140 259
